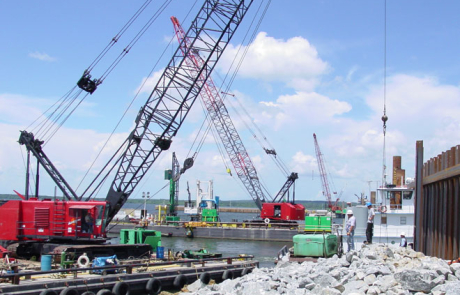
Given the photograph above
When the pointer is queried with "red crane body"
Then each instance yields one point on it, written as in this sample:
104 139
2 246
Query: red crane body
275 210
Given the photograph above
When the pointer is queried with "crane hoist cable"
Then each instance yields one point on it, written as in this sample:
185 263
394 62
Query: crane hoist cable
93 193
269 151
64 108
239 60
248 44
113 224
118 35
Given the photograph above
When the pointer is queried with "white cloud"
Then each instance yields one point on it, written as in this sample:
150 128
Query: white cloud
41 56
149 83
294 61
21 109
303 107
303 163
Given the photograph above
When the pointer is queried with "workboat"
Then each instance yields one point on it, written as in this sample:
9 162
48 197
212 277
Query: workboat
394 215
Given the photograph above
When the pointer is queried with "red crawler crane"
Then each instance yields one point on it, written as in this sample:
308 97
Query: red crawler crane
273 210
323 173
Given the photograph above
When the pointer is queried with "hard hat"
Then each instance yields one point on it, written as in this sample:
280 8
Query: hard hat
349 212
368 204
403 234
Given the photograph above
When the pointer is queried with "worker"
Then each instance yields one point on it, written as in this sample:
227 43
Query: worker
403 242
370 223
350 228
89 222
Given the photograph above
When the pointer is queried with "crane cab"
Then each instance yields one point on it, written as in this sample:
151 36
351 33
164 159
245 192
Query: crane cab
282 211
39 220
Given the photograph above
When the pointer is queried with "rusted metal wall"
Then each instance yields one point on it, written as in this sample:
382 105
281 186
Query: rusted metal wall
437 204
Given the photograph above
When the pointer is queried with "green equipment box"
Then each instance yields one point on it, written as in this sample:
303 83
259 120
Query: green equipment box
141 236
318 223
315 245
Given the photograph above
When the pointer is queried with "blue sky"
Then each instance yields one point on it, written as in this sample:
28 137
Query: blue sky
314 67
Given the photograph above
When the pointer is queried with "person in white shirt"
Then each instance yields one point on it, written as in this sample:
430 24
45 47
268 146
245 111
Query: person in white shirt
370 223
403 242
350 228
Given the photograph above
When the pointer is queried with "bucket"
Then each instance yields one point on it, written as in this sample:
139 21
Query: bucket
46 262
160 252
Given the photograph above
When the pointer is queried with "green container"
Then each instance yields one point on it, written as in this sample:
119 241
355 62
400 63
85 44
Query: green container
173 218
318 223
315 245
311 223
209 213
141 236
325 223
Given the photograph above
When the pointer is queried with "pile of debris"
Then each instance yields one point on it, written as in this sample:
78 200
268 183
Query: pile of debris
375 269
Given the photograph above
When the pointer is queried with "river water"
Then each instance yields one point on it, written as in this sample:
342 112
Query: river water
264 251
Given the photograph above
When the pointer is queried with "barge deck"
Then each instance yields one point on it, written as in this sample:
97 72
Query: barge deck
144 278
233 231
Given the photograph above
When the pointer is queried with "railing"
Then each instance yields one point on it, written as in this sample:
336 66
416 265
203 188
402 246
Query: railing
126 268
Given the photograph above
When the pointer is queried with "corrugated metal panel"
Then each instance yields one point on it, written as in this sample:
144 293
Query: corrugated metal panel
42 217
437 220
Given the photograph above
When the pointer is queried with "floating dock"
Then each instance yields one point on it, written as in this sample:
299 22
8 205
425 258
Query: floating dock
229 230
142 278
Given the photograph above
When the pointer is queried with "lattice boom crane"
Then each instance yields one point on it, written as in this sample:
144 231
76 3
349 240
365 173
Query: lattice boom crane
218 113
323 175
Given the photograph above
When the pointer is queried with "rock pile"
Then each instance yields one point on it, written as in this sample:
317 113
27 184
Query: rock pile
375 269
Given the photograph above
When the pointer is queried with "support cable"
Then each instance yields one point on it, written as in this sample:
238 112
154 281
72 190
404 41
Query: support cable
122 117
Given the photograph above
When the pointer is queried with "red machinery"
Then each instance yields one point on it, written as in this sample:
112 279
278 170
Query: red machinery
276 209
42 225
66 220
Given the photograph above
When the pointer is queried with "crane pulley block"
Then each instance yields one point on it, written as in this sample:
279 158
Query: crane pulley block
87 84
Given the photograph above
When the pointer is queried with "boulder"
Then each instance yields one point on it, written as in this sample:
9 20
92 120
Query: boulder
417 280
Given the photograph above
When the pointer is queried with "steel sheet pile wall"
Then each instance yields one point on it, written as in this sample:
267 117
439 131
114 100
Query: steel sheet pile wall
437 221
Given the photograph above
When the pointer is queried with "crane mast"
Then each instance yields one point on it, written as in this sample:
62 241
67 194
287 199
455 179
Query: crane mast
276 209
222 122
174 94
323 175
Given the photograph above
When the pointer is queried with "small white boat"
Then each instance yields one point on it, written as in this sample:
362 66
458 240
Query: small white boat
394 214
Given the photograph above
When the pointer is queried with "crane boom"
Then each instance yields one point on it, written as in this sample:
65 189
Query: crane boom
222 122
234 146
323 175
174 94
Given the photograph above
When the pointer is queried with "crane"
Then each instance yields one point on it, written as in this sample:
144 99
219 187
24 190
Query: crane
219 116
157 122
324 181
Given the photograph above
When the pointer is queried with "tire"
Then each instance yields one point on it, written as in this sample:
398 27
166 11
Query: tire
205 278
179 282
228 274
69 291
339 246
153 286
120 288
88 293
246 271
83 261
104 292
48 292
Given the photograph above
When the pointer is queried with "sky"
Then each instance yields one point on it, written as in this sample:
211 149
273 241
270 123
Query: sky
317 66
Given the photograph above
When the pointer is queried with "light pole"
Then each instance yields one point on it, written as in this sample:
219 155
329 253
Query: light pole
145 197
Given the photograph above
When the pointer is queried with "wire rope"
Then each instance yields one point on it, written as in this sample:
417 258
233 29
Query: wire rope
125 112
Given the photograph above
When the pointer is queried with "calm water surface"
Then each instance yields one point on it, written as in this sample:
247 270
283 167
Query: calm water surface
264 251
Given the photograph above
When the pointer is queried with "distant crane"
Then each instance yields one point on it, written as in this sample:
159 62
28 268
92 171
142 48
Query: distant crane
275 209
324 181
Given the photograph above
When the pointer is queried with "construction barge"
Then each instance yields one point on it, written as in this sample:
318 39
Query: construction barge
254 231
137 278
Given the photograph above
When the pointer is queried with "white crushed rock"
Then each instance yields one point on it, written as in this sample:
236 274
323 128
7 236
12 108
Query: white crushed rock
375 269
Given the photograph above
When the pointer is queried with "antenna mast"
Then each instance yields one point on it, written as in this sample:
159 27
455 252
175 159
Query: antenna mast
384 117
